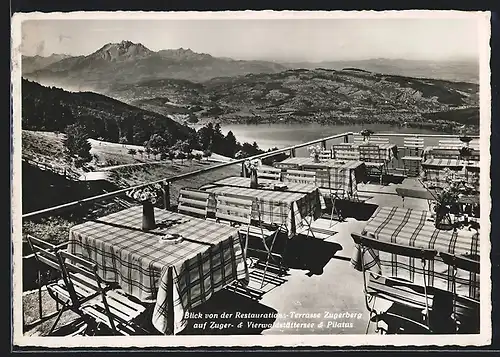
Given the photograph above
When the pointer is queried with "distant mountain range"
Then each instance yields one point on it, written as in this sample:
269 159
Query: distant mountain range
128 62
325 96
457 71
184 85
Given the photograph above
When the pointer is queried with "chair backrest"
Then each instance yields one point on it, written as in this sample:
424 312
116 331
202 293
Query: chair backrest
414 144
370 153
460 262
398 249
474 144
450 144
444 153
269 173
193 201
79 271
346 153
358 139
474 155
325 155
233 209
378 140
300 176
44 252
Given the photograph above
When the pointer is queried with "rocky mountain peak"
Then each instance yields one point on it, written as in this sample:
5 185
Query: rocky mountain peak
124 50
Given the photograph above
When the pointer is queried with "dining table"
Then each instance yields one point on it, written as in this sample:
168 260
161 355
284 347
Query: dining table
412 227
291 210
388 150
176 275
343 174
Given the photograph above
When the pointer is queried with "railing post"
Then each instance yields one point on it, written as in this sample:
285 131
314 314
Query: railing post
166 195
346 138
243 169
292 152
323 144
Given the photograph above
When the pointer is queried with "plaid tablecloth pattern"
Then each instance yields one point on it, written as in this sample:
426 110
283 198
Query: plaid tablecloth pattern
388 151
209 258
343 175
286 209
413 228
443 163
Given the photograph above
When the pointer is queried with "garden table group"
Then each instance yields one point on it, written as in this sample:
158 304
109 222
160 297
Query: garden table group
175 276
413 227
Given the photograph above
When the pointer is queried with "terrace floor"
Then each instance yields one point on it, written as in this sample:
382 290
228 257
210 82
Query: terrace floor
320 284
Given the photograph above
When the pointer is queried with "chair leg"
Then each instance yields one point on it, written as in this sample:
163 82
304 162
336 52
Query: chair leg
63 308
372 314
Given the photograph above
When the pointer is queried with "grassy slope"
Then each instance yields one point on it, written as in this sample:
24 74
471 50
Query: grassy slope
49 146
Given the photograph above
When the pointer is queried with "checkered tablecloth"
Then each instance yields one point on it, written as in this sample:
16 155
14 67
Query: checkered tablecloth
413 228
343 175
290 210
388 151
441 152
209 258
443 163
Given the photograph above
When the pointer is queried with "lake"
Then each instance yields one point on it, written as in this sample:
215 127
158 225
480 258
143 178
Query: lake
283 135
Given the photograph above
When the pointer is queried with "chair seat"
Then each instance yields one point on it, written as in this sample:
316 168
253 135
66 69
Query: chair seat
121 307
85 288
402 295
411 158
257 232
374 164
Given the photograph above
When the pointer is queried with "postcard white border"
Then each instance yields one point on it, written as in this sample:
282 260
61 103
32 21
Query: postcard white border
484 338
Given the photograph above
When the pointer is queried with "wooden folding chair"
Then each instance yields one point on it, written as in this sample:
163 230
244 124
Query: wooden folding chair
412 160
358 139
111 307
334 191
238 212
396 290
325 155
370 154
270 173
450 144
377 140
193 202
345 152
300 176
466 314
46 257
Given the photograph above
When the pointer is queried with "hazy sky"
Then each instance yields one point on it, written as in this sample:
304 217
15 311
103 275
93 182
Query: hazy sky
278 39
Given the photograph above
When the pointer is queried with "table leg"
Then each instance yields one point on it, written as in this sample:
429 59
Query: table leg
170 301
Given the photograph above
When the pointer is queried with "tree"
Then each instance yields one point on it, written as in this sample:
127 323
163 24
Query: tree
77 143
230 144
123 140
132 152
171 155
181 156
156 144
207 153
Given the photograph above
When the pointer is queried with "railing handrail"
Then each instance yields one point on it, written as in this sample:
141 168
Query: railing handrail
422 135
179 177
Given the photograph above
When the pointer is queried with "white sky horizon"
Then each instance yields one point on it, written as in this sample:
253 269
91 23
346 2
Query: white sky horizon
282 40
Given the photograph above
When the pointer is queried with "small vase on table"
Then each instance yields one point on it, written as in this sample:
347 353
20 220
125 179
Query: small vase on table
253 179
148 216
